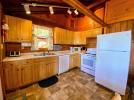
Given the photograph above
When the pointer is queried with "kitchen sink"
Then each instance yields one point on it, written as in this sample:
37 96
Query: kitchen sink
44 54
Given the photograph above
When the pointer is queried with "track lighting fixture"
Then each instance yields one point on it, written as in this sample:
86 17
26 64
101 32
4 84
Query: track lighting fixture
27 9
69 11
51 10
76 12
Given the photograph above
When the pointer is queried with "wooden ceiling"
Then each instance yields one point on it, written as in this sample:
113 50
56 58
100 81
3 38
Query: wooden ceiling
15 6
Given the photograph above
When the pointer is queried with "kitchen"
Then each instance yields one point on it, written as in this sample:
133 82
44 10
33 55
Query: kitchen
45 45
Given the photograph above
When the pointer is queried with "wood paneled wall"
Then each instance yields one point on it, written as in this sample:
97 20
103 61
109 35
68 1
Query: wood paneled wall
91 42
86 23
1 12
124 26
119 10
120 26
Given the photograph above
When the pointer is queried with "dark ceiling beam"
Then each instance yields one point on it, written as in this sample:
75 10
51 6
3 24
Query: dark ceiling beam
44 21
96 3
83 9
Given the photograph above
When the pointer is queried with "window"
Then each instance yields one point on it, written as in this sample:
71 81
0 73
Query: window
42 38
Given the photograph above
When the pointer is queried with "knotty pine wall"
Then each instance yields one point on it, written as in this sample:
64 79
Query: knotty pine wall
124 26
1 13
119 10
86 23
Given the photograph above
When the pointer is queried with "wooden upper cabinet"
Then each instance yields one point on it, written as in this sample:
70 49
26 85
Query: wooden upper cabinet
69 37
57 36
62 36
20 30
26 30
79 38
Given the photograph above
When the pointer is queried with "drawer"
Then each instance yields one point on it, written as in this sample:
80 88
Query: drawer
18 62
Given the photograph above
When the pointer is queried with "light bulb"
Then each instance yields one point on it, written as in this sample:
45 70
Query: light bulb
51 10
69 11
27 9
76 12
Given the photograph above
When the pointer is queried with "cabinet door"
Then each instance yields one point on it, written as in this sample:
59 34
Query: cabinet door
26 30
77 60
36 70
51 69
42 70
69 37
79 38
14 29
71 61
27 74
12 77
57 36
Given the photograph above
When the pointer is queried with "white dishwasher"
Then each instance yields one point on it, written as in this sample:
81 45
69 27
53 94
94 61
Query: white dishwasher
63 63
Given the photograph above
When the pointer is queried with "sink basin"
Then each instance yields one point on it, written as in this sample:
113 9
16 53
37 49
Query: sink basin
44 54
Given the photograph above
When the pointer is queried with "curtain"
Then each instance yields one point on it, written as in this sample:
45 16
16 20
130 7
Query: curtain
42 37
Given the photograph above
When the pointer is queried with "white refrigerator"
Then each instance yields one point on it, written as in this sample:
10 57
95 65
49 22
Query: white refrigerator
112 60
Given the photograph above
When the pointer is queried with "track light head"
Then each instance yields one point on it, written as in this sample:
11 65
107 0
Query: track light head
69 11
76 12
27 9
51 10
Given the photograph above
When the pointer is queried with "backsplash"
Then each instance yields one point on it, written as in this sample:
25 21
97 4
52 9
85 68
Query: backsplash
12 46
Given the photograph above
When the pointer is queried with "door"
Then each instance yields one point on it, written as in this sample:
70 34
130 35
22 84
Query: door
120 41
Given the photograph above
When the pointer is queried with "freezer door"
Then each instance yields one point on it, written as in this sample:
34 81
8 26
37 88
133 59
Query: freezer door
112 70
119 41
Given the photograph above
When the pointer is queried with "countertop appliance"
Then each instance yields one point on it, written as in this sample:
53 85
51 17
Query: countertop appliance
88 61
75 49
112 60
14 53
63 63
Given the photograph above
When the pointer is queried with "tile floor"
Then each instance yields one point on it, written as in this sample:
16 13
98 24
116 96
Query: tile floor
72 85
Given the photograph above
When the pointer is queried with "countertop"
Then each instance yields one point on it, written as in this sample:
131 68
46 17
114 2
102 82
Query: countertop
37 55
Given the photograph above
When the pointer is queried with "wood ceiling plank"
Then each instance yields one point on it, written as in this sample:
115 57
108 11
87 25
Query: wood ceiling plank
83 9
96 3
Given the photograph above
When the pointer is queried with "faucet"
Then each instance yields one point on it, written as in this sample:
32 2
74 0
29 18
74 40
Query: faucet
48 51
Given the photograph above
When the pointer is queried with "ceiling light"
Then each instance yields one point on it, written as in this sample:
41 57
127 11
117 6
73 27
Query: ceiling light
27 9
76 12
69 11
51 10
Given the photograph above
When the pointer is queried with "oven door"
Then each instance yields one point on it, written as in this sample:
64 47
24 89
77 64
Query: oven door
88 61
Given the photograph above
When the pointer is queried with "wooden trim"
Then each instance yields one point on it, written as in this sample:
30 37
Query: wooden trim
95 4
83 9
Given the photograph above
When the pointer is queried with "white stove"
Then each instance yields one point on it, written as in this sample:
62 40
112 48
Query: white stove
88 61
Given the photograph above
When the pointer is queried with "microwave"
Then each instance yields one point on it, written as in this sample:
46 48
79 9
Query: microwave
75 49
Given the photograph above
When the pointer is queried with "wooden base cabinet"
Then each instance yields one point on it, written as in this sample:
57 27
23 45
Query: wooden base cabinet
12 77
74 61
23 72
26 74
